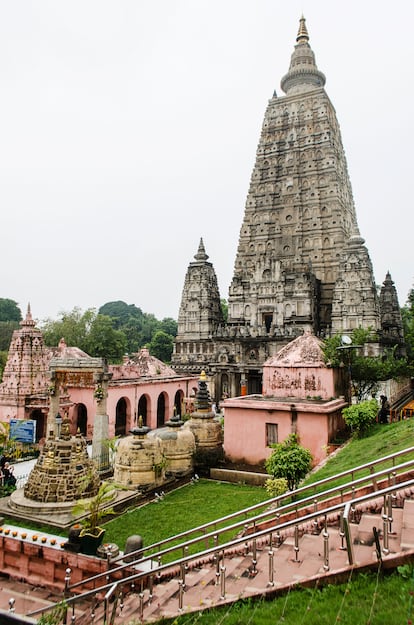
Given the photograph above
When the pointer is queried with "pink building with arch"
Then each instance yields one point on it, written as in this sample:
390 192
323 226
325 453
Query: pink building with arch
141 386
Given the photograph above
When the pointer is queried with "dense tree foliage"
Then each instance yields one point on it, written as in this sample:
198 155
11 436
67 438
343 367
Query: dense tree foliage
6 331
407 313
161 345
10 317
140 328
366 371
3 360
9 310
117 328
290 461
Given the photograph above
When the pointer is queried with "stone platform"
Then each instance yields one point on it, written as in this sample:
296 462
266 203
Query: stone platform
58 515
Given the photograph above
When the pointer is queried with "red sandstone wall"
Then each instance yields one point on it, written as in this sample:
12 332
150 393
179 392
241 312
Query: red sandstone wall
44 565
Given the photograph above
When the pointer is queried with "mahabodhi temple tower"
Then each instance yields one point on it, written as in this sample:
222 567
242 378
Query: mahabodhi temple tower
301 263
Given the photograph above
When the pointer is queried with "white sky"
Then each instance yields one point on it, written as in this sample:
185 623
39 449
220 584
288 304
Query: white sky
128 129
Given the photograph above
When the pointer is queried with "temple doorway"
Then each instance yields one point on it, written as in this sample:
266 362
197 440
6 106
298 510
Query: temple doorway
178 402
38 416
82 419
121 417
143 409
161 405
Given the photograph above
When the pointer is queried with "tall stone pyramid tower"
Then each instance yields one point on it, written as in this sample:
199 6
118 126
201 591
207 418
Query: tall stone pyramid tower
299 213
301 264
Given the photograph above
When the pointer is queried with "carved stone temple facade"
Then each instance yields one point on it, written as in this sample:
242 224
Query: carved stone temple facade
301 264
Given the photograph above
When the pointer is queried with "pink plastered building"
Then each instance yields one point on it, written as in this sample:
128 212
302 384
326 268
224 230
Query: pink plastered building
301 395
141 386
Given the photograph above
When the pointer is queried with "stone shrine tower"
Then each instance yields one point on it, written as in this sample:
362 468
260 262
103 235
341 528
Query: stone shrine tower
301 264
391 321
24 389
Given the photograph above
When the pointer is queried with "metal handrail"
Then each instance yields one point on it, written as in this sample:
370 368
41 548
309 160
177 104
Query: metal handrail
219 551
293 506
201 529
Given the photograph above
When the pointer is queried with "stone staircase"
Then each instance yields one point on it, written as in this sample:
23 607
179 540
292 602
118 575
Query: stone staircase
303 562
270 562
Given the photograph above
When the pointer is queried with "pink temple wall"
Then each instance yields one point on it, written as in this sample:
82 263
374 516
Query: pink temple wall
132 394
245 426
299 382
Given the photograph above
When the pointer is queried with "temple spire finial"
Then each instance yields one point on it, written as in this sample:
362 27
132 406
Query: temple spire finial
303 34
201 252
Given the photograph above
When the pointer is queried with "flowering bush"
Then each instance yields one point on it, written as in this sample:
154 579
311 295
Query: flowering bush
99 393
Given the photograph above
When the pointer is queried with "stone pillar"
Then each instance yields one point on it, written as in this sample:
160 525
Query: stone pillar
100 449
54 394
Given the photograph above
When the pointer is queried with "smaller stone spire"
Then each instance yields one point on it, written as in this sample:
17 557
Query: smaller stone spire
203 401
201 252
28 321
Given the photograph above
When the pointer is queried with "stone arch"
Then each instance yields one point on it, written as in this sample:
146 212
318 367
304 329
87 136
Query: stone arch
81 419
162 408
122 416
40 418
143 408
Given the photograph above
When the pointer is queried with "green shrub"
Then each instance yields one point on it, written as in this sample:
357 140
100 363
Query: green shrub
360 417
276 486
289 460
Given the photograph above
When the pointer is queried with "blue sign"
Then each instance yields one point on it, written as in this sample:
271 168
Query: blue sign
23 430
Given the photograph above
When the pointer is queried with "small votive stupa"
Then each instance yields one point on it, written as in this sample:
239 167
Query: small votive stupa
64 472
139 461
178 446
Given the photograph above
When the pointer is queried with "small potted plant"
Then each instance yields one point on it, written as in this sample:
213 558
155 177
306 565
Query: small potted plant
91 535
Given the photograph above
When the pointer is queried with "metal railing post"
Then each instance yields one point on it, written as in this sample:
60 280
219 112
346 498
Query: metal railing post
315 531
347 532
325 546
296 547
254 556
222 578
271 569
385 549
180 595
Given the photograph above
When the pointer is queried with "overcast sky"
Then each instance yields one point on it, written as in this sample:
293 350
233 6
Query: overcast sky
129 130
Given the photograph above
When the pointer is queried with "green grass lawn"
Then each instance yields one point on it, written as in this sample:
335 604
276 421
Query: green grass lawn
368 599
382 440
182 509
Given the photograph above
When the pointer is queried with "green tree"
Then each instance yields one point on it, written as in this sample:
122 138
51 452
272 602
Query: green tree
9 310
169 326
289 460
161 346
120 312
74 326
138 327
3 360
407 313
6 332
366 371
104 341
224 309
